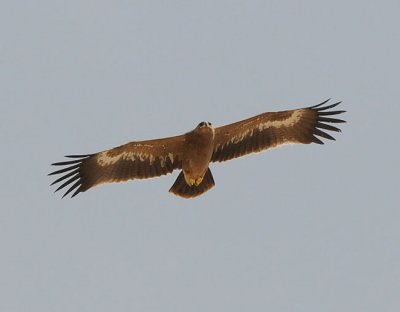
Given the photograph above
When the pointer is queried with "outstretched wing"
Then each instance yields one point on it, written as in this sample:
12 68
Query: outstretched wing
134 160
271 130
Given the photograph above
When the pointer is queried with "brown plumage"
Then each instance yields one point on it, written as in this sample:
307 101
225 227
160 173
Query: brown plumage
193 151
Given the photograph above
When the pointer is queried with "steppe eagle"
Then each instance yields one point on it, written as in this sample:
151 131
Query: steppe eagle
193 151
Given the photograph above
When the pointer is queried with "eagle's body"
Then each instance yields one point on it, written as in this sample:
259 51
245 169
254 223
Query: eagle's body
198 147
193 151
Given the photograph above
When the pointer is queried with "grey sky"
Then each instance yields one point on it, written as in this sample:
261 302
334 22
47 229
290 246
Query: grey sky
301 228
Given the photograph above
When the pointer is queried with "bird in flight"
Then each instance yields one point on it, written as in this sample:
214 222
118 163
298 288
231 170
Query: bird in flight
193 151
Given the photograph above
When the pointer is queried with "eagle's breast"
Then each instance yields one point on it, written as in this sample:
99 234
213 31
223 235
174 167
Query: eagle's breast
199 145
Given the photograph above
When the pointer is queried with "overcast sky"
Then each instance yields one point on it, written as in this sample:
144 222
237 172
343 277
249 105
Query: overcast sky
300 228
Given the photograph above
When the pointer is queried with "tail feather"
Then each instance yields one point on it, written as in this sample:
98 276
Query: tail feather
182 189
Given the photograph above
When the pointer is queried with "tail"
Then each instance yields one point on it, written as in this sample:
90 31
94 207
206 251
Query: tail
182 189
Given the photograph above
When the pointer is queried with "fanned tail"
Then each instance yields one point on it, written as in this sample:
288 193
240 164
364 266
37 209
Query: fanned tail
182 189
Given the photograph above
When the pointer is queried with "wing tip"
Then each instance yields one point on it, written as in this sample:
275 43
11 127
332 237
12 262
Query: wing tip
79 156
324 118
320 107
322 103
72 173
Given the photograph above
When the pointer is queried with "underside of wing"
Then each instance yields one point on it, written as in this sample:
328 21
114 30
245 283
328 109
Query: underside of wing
269 130
134 160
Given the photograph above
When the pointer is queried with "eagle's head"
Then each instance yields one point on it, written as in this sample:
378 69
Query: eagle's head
204 124
205 128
